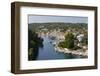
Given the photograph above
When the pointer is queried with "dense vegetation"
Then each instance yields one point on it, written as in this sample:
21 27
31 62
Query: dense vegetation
63 26
68 42
34 42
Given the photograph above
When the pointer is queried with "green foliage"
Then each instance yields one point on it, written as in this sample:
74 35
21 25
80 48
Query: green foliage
76 47
33 39
62 44
56 25
30 51
34 42
85 41
69 41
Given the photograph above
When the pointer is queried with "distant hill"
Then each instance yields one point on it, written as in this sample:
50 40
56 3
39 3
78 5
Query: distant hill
55 25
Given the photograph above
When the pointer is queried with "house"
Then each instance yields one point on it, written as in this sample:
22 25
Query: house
80 37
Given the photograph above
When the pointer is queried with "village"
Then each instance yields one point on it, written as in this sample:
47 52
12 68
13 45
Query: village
57 35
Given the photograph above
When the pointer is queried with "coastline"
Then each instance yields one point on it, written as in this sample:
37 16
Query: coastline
74 52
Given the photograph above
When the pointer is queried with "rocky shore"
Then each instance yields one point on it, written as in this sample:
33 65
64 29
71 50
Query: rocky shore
74 52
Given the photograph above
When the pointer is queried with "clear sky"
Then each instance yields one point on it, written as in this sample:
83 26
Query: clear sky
65 19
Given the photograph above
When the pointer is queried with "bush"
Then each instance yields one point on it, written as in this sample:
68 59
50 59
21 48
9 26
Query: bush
30 51
62 44
69 41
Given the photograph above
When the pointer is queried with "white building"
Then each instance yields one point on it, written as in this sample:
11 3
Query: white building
80 37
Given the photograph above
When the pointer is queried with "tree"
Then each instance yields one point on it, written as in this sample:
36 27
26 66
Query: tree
69 41
34 42
62 44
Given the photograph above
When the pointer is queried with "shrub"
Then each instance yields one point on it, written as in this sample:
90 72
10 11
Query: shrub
69 41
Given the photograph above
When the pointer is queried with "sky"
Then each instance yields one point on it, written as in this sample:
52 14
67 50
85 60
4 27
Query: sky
48 18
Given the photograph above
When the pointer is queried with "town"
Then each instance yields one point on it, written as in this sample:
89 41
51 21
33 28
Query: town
67 38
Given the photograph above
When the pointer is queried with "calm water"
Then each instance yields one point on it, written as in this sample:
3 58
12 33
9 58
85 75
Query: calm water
48 52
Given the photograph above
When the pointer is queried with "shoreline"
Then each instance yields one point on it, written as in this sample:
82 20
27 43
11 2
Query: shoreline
74 52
